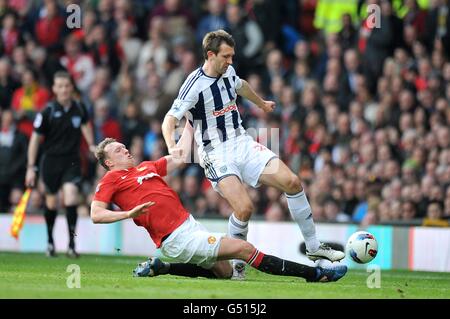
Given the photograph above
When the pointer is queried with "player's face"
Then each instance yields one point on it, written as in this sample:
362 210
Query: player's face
223 59
118 156
63 89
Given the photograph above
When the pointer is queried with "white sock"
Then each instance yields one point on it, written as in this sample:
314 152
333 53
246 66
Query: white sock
237 229
301 212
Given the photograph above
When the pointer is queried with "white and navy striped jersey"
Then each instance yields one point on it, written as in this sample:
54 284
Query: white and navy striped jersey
210 105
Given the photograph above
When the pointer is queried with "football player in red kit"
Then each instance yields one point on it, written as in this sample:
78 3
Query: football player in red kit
143 195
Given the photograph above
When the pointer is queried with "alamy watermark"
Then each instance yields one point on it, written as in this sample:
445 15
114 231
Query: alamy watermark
374 279
373 16
74 279
73 20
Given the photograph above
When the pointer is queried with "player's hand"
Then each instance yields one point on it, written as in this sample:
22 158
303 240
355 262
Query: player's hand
176 152
140 209
268 106
92 148
30 177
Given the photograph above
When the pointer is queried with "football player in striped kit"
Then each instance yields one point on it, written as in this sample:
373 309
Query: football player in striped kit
228 154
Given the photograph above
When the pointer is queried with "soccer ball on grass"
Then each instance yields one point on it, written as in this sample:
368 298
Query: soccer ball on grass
362 247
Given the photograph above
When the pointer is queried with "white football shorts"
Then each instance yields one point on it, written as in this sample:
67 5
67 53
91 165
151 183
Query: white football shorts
192 243
241 156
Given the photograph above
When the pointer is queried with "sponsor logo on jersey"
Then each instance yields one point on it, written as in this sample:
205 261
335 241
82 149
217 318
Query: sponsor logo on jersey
140 179
225 110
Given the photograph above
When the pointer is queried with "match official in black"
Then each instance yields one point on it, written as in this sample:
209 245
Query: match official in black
61 124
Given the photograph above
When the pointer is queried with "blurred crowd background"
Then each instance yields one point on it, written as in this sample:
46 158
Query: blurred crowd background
362 99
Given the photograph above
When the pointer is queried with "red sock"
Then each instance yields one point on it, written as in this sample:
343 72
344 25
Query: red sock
255 258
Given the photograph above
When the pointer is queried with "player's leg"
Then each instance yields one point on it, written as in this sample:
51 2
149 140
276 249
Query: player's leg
71 179
235 248
51 174
235 193
278 175
70 194
154 266
50 214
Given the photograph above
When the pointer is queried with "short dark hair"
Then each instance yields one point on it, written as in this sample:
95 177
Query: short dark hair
100 153
62 75
213 40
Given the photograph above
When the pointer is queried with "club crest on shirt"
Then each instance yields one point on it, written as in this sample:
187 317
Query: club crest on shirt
76 121
211 240
37 121
223 169
140 169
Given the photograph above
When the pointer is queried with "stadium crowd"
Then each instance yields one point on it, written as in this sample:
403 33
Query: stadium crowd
363 101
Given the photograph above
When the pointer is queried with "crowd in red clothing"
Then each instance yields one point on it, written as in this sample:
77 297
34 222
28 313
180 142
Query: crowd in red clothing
362 117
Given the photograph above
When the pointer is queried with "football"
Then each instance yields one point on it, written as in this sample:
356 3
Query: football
362 247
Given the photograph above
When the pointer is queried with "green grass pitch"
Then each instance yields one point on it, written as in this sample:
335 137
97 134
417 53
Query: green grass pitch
35 276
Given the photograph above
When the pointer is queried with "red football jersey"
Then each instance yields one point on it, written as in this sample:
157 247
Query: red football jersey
140 184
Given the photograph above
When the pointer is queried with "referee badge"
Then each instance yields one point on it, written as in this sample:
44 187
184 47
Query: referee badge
76 121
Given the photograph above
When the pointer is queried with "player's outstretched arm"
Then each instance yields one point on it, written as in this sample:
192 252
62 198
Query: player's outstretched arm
101 215
168 130
181 153
33 147
247 92
86 130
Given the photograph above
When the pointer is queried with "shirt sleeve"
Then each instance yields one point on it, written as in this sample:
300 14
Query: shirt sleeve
186 99
85 115
161 166
41 123
105 190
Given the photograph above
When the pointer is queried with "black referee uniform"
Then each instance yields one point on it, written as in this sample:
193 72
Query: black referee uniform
60 160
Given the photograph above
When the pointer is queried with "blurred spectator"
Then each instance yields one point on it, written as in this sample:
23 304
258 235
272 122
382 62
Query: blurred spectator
50 27
104 50
154 50
104 124
7 84
132 124
333 213
213 20
10 34
348 34
79 65
434 216
128 44
27 100
190 188
354 106
13 159
178 19
248 38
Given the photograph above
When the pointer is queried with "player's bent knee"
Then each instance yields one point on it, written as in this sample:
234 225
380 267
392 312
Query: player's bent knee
245 211
51 202
293 185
